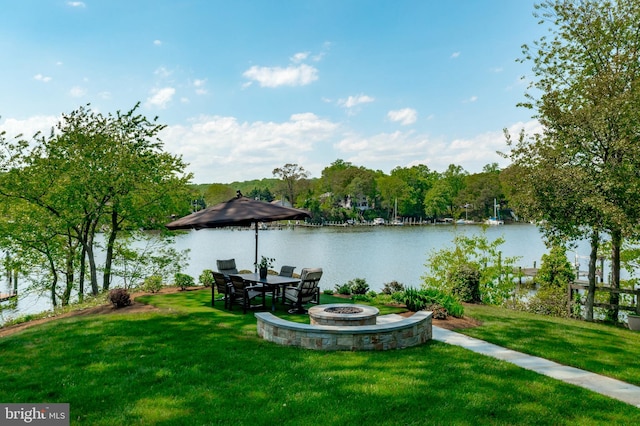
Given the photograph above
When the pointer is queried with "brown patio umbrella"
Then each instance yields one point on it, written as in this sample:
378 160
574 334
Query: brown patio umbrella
239 211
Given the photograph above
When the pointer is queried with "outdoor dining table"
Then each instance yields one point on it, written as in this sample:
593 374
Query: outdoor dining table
271 281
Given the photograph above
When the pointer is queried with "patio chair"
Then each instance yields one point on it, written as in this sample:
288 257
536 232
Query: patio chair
307 291
242 293
227 266
287 271
222 285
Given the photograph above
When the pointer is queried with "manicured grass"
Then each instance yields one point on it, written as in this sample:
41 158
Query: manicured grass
602 349
191 364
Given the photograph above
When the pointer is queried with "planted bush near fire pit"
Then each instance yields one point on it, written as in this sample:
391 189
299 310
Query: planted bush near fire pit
440 303
355 286
392 287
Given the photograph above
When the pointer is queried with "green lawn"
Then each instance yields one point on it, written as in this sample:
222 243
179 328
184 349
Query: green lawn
191 364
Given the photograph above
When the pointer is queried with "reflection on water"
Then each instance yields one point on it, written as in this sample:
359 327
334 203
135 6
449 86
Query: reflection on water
377 254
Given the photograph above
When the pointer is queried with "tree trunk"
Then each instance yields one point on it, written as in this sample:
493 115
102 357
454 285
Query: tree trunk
106 278
54 282
591 292
66 295
614 298
83 268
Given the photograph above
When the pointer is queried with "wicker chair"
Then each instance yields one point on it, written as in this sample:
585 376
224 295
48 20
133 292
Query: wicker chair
307 291
222 284
243 293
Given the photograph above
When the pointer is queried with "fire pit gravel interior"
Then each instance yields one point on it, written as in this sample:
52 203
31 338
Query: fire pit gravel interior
344 310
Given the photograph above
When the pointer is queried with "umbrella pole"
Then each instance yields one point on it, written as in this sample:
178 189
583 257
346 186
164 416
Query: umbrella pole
255 263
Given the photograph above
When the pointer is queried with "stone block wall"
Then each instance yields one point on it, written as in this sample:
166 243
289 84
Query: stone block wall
405 333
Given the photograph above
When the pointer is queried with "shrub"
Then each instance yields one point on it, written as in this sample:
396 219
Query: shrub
119 297
343 289
549 301
430 299
372 294
392 287
206 278
361 298
555 270
152 284
464 282
358 286
183 280
327 291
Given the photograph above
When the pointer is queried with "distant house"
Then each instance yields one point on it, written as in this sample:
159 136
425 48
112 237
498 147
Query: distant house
361 203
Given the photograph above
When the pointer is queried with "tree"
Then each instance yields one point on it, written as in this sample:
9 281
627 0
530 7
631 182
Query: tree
418 179
472 259
439 200
92 173
290 175
587 79
218 193
478 194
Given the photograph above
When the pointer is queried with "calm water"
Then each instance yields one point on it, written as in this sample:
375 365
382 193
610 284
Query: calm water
377 254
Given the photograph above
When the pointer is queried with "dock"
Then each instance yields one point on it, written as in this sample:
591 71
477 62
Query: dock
7 296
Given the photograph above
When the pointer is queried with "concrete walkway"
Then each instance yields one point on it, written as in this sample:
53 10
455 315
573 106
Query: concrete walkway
601 384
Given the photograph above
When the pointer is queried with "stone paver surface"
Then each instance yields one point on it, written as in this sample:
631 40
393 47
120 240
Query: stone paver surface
601 384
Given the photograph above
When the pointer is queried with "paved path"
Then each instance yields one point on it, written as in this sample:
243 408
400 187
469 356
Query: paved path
604 385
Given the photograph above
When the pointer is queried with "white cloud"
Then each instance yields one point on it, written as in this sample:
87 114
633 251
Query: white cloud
352 101
470 100
404 116
160 98
199 85
28 127
299 57
162 72
385 151
77 92
299 75
455 55
157 42
223 149
40 77
76 4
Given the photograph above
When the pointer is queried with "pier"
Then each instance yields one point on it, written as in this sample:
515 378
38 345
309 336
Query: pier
7 296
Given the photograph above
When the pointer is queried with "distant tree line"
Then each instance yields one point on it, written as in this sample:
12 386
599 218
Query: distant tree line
345 191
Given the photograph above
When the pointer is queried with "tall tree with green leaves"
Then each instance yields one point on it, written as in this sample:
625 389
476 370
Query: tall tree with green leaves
93 173
586 95
290 174
440 199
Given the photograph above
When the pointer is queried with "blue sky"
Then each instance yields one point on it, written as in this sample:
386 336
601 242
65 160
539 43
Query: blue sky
248 86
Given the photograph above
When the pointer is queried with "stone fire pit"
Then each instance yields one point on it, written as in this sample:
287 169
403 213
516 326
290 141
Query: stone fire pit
343 314
347 327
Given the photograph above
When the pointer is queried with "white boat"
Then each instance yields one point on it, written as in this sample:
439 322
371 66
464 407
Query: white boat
396 221
495 219
378 221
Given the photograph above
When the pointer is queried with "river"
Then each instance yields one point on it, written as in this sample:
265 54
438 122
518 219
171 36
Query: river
378 254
